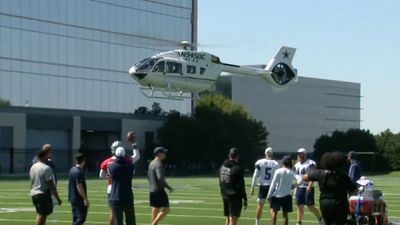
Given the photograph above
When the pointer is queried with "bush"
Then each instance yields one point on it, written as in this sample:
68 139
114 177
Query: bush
389 147
352 140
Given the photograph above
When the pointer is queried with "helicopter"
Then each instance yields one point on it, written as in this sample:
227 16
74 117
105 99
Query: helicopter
174 73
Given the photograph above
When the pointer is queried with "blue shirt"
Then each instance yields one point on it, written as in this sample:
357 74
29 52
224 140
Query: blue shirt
76 176
121 173
354 171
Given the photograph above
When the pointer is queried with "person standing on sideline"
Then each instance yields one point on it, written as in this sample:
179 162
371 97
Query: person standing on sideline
280 192
158 196
77 191
121 196
43 187
104 165
335 185
355 168
305 191
48 149
231 181
263 172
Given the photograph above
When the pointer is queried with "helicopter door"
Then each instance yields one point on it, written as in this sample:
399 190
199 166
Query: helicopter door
174 68
159 73
159 67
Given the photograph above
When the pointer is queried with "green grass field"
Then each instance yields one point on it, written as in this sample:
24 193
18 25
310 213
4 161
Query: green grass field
196 201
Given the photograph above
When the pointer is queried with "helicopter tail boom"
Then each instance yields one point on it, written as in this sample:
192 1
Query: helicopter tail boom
279 70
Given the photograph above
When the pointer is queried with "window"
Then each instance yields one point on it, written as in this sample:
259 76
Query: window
202 70
159 67
191 69
173 67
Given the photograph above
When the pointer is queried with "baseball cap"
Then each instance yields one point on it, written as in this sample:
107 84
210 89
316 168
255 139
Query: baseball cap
302 150
268 150
120 152
234 152
160 150
115 145
286 159
351 153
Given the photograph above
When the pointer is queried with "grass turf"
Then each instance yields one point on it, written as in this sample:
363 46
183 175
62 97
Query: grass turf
196 201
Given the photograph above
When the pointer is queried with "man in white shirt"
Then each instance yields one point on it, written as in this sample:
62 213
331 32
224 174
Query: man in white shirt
280 191
305 191
42 188
263 173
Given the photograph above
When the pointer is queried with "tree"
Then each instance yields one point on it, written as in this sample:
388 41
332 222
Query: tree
216 125
389 146
155 110
4 102
352 140
143 110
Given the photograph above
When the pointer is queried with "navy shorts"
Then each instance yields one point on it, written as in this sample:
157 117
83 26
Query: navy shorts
303 197
159 199
285 203
232 206
43 204
263 192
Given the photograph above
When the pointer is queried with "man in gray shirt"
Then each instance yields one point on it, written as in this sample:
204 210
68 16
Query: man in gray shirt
158 196
42 187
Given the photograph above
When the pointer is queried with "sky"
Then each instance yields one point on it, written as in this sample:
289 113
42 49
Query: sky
355 41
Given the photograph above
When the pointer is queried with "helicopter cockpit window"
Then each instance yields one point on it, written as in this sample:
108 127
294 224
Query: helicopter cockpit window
174 67
191 69
145 65
202 70
215 59
159 67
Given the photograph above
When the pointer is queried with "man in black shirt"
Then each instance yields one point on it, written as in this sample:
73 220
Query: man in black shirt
231 181
121 196
334 185
77 191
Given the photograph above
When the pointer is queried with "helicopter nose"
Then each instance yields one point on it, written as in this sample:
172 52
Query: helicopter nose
136 75
132 70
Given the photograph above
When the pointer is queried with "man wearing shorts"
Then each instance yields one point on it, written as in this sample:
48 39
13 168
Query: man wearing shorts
104 168
305 191
263 172
158 196
231 181
280 192
43 187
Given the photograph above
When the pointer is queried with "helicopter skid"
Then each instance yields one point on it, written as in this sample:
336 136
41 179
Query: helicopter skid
169 94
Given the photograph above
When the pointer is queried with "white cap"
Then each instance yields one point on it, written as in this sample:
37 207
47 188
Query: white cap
268 150
301 150
115 145
120 152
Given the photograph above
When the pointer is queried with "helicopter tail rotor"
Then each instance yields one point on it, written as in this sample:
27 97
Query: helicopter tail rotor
280 66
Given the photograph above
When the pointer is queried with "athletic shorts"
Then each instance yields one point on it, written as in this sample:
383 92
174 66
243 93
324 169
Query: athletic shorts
232 207
303 197
159 199
43 204
285 203
263 192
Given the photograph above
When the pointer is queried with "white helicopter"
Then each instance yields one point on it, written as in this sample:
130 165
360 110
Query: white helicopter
174 73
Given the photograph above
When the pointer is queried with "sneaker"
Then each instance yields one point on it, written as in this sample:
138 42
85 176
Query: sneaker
321 222
298 223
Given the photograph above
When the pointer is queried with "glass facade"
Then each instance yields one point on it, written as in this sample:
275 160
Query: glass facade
75 54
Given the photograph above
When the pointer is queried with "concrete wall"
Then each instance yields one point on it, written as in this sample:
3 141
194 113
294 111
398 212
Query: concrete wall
18 122
140 127
306 110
